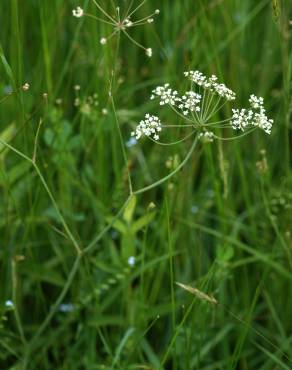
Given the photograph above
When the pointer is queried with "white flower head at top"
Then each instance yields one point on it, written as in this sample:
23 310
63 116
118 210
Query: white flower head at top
150 126
119 22
78 12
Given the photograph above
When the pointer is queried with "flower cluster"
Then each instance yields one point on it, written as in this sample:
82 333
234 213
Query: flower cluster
166 94
190 102
206 136
198 109
211 84
150 126
255 116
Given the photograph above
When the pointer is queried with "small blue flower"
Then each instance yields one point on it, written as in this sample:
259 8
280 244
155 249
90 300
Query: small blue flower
131 142
131 261
194 209
8 89
66 307
9 303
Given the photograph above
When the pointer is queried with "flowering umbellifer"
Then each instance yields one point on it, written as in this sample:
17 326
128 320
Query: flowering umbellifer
198 106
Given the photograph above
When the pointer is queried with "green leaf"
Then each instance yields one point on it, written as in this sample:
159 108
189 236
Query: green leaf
225 254
37 272
142 222
6 66
117 224
128 245
6 135
17 172
129 211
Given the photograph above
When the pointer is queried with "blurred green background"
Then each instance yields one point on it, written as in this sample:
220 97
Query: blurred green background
222 224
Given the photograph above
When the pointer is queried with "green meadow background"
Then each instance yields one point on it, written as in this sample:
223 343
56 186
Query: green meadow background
221 224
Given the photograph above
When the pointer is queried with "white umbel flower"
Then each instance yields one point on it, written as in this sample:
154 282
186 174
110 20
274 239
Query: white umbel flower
166 95
241 118
256 102
256 116
223 91
190 102
150 126
78 12
211 84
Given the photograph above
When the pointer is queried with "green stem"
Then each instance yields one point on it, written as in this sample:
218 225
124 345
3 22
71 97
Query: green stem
165 178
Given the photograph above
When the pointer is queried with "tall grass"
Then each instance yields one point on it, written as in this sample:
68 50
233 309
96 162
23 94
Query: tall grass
221 225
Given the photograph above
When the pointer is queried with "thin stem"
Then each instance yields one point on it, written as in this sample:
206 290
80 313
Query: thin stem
70 235
202 107
174 142
181 126
214 109
99 19
208 105
92 244
104 12
178 328
53 310
7 96
144 20
128 9
36 141
122 145
134 41
138 7
165 178
117 9
214 123
14 300
22 126
234 137
185 118
116 30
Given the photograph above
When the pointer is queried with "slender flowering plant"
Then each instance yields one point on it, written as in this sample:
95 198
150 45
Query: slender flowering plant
199 105
120 23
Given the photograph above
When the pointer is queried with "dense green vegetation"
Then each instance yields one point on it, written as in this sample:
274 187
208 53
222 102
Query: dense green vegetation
69 298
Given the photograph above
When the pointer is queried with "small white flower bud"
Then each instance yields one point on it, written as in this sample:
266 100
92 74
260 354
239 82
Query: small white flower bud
78 12
148 52
25 87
